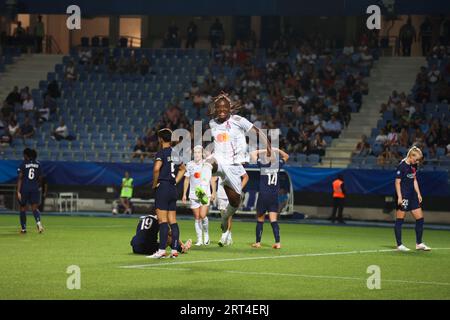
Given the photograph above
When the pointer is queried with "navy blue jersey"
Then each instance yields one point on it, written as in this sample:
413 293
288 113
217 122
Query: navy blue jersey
406 173
31 172
170 165
146 231
268 178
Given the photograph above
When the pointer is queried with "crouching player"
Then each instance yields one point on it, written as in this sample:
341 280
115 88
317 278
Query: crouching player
269 187
30 176
146 239
409 198
167 173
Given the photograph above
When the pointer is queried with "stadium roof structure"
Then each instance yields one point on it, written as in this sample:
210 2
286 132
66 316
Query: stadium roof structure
230 7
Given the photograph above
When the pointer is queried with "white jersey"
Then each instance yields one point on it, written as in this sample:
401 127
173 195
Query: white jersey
193 171
230 146
220 190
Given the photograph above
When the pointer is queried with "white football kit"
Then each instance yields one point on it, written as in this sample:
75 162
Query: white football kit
230 149
193 172
222 199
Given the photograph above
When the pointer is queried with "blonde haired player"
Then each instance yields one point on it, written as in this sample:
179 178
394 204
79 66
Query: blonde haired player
230 152
200 211
409 198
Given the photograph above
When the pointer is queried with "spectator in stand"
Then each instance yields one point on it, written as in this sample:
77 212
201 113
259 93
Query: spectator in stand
70 74
318 145
53 90
333 127
404 138
216 34
139 150
362 147
433 75
407 35
172 37
26 129
13 98
423 93
387 157
191 35
62 132
5 138
392 137
85 56
382 137
13 128
39 33
426 35
28 105
24 93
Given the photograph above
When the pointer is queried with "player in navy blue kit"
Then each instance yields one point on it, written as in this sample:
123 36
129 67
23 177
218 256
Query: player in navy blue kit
269 188
167 173
409 198
28 183
146 239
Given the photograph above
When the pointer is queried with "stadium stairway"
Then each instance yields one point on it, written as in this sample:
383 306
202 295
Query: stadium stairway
388 74
27 70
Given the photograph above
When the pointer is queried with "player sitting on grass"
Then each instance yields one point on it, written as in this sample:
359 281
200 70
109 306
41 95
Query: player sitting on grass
230 146
200 211
409 198
167 173
30 176
146 239
269 188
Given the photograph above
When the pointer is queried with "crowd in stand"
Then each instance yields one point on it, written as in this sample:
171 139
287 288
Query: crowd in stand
414 119
308 99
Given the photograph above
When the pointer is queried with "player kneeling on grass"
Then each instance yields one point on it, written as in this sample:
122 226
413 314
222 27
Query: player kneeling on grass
409 198
167 173
269 187
200 211
30 176
146 239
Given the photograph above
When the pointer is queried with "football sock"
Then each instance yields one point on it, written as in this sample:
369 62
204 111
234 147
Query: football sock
228 213
163 233
205 226
259 230
419 230
198 229
23 219
398 231
37 215
276 231
175 235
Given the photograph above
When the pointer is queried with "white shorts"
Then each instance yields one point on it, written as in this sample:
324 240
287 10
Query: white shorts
231 176
195 204
222 204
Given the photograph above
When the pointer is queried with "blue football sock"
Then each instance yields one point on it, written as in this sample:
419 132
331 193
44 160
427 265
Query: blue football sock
419 230
175 235
398 231
276 231
163 233
259 230
37 215
23 220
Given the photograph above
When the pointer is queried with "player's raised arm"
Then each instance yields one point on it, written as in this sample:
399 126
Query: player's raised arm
264 139
284 155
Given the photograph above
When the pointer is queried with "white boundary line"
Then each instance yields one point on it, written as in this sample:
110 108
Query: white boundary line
154 265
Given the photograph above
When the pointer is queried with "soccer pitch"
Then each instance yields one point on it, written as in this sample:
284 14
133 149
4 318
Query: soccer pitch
315 262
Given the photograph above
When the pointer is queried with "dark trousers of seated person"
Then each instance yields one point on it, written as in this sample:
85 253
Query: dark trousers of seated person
59 137
338 207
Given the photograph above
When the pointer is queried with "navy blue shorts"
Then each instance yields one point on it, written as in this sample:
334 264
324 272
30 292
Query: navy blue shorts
30 197
409 203
166 196
267 202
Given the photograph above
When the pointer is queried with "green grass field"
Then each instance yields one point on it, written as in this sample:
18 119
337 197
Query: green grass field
316 262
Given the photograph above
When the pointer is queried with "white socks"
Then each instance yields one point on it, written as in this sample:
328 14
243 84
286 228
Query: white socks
205 225
198 230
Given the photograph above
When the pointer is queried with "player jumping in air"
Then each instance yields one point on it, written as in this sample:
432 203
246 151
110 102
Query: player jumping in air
200 211
269 187
409 198
228 131
30 175
167 173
